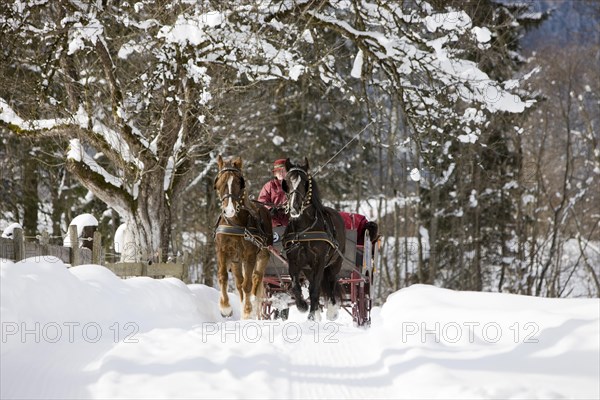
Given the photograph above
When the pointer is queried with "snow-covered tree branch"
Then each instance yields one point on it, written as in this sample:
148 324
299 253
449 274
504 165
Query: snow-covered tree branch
133 85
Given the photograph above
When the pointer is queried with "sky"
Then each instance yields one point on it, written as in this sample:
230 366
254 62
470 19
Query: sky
82 332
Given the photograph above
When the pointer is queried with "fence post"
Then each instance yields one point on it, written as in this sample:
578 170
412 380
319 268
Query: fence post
97 249
87 236
44 242
19 243
185 273
75 256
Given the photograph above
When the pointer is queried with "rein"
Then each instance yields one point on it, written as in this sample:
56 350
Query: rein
343 147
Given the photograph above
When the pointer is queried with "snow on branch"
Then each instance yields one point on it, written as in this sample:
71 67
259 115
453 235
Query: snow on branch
236 44
80 122
77 153
418 55
117 198
55 126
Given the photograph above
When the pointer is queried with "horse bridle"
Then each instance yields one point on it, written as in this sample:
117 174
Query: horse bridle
292 239
237 200
306 201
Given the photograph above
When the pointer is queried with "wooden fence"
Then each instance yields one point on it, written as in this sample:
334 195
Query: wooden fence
17 249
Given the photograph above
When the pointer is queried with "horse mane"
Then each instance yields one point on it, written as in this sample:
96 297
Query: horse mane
315 200
250 204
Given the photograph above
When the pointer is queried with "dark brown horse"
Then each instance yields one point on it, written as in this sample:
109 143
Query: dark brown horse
242 235
314 242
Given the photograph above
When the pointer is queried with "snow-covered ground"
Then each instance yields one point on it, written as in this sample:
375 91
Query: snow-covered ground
84 333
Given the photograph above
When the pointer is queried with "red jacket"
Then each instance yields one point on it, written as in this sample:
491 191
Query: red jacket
355 222
272 194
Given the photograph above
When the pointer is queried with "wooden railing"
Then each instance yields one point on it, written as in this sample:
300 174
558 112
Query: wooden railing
17 249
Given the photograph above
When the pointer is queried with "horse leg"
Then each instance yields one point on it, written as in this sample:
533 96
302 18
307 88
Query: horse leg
257 279
314 291
294 268
331 289
224 306
297 292
248 267
236 270
301 304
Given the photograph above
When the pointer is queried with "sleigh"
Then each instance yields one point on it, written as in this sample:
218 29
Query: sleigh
355 279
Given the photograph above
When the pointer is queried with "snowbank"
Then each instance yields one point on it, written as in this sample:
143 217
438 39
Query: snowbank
84 333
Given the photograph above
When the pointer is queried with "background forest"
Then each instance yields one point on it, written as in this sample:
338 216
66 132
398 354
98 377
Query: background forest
468 195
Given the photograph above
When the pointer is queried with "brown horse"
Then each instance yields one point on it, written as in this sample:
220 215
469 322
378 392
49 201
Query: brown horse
242 235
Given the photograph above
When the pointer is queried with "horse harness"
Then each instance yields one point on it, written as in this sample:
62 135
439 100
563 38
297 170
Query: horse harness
237 200
306 202
254 234
292 240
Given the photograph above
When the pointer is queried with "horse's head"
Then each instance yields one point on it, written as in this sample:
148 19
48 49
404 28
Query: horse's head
229 185
298 187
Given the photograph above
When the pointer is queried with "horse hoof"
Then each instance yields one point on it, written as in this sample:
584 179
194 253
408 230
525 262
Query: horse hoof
314 316
332 312
302 306
227 313
284 314
332 316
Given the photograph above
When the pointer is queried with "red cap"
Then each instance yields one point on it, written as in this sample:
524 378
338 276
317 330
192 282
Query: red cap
279 164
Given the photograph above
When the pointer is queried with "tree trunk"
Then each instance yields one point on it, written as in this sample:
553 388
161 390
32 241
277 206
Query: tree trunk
208 260
433 231
477 242
30 197
148 215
